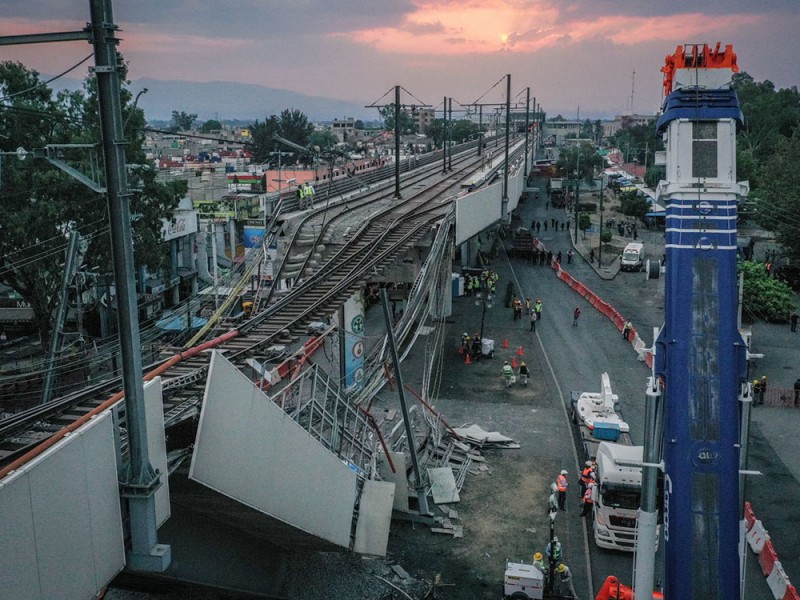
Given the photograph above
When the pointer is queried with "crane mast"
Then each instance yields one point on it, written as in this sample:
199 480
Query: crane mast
700 356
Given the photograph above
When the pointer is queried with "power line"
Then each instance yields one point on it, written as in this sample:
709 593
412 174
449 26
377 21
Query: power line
44 83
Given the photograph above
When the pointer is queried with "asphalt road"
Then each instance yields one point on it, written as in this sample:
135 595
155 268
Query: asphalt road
576 356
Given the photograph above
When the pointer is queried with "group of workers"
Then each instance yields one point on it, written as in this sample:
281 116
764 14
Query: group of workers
485 282
562 582
305 194
510 377
759 390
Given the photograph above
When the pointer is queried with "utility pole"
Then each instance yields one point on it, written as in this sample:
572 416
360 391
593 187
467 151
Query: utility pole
396 104
504 201
139 481
577 191
450 135
397 195
527 133
422 497
480 130
444 136
58 322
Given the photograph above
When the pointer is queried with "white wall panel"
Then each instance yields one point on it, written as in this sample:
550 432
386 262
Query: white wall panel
248 449
19 577
61 518
157 445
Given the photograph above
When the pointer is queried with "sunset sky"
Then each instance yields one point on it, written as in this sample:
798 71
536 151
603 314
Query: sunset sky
572 53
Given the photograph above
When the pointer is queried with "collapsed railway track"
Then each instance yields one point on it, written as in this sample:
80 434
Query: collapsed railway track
393 228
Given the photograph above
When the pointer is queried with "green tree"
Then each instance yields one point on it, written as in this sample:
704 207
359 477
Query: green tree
211 125
606 236
435 130
39 204
584 222
181 121
263 144
294 126
770 115
633 204
359 124
764 298
324 140
638 143
407 119
581 156
778 201
463 129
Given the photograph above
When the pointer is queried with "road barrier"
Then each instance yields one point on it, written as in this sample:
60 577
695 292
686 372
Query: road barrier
761 545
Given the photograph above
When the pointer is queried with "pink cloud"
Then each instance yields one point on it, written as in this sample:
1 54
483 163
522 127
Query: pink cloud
489 26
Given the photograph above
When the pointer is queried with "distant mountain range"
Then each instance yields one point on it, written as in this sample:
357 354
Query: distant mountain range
225 100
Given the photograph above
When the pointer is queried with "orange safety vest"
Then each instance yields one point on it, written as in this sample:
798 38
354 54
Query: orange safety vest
561 483
587 495
586 475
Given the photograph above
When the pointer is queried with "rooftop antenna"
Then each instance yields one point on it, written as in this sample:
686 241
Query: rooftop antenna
633 86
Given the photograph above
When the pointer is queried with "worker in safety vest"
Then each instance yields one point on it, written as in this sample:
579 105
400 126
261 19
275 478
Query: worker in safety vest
566 588
508 373
301 195
561 485
538 562
309 194
586 477
588 500
757 397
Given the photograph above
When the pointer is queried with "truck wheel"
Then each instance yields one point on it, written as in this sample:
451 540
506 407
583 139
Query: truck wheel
519 596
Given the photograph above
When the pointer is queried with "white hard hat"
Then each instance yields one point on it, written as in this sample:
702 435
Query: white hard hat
588 463
563 472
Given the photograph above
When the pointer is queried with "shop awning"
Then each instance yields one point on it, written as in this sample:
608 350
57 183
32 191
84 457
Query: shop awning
178 323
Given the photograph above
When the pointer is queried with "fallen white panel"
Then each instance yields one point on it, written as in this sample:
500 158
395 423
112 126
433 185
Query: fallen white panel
374 518
399 478
476 432
157 445
19 575
443 485
61 517
248 449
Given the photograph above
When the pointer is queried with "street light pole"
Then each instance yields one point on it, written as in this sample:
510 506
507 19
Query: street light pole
600 249
487 303
504 201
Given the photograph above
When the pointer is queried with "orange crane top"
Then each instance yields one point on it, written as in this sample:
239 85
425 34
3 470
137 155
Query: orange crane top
696 56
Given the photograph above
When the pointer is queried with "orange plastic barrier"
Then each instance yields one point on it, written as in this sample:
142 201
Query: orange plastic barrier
791 593
749 515
767 558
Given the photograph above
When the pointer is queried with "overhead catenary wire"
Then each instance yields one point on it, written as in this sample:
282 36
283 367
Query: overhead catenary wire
44 83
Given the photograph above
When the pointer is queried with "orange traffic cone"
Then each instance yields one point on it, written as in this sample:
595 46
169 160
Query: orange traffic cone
467 361
505 343
513 363
520 352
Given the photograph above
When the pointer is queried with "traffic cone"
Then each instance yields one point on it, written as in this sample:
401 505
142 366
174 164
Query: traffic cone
467 361
513 363
520 352
505 343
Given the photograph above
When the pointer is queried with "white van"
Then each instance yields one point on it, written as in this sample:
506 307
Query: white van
632 258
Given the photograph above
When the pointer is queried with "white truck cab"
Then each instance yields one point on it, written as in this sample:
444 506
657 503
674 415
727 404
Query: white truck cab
616 508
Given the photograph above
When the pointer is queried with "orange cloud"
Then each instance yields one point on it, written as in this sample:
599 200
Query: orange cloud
489 26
